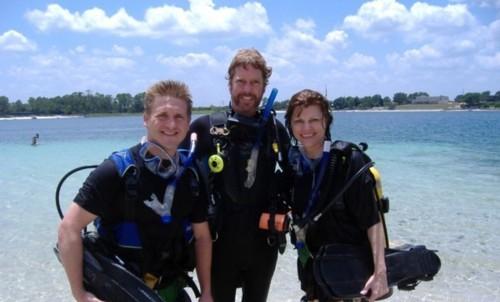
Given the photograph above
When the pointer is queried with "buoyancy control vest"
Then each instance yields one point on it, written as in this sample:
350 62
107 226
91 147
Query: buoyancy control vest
339 177
232 137
158 262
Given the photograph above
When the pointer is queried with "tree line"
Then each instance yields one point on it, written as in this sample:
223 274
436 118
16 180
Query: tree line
81 103
75 103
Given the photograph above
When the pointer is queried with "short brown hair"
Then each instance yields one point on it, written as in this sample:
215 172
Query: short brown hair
306 98
168 88
249 56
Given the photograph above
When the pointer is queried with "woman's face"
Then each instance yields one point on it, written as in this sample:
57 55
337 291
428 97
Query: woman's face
309 128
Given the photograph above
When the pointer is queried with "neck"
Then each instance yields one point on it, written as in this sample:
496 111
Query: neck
313 152
170 152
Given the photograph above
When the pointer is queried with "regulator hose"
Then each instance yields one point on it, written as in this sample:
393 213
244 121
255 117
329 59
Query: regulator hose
63 179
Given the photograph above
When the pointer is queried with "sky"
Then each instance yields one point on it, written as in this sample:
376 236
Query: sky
338 47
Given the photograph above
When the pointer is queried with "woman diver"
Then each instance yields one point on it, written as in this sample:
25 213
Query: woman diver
322 170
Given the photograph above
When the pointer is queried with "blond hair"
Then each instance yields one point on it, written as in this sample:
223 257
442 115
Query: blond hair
168 88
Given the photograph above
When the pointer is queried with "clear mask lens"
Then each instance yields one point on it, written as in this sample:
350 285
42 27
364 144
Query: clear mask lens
157 160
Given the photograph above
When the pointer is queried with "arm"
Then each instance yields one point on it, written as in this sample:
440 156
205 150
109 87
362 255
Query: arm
376 286
203 252
71 249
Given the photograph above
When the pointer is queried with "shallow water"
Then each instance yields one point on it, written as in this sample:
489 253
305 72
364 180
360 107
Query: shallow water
441 171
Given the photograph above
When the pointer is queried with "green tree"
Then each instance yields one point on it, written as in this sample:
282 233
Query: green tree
387 102
377 101
4 105
471 100
124 101
400 98
340 103
365 102
18 107
413 96
138 102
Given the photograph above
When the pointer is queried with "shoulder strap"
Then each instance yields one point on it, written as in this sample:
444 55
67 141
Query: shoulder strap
123 161
128 171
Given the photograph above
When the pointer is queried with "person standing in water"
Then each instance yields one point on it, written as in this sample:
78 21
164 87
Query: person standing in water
34 140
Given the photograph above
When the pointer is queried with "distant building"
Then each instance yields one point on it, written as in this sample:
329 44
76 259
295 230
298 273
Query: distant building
421 99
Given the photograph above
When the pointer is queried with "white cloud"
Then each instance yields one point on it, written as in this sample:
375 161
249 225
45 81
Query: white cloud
187 61
431 17
488 3
336 37
56 73
14 41
80 61
51 60
381 18
375 18
489 62
421 54
495 30
299 43
80 49
425 59
114 62
463 45
359 61
168 20
123 51
417 56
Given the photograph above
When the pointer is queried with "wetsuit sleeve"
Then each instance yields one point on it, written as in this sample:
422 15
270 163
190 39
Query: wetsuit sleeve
99 189
362 203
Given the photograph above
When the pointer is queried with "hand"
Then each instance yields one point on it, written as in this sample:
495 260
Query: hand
375 287
88 297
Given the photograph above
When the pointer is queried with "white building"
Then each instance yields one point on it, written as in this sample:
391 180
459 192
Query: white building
431 99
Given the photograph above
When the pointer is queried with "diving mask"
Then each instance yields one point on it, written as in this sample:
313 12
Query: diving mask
157 160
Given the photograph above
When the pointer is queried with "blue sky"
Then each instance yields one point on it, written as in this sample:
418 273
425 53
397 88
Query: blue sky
344 47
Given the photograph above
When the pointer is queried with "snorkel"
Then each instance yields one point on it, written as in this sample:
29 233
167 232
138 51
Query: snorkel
192 147
252 161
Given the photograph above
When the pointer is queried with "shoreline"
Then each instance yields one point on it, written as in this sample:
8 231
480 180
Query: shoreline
407 110
46 117
39 117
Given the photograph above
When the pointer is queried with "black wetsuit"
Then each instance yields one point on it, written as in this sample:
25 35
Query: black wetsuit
104 194
347 222
242 256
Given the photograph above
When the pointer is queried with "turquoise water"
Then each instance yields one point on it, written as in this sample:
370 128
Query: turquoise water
441 171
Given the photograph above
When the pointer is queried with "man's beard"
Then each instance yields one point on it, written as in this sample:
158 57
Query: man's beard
255 100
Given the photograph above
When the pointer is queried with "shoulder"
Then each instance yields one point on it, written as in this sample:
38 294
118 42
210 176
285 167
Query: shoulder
107 169
201 122
279 124
125 160
281 128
